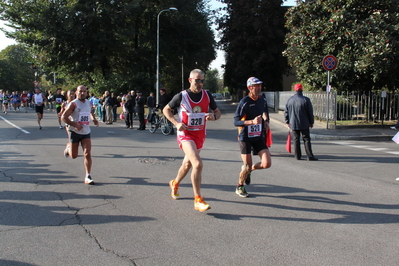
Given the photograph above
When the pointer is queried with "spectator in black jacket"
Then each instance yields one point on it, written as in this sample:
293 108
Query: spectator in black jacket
140 101
299 118
150 101
164 99
115 105
129 109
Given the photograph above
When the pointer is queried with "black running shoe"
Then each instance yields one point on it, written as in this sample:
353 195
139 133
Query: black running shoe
240 191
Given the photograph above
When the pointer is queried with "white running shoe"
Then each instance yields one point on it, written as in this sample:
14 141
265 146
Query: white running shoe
66 153
89 181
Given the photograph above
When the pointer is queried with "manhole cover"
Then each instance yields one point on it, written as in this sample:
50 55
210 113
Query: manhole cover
156 160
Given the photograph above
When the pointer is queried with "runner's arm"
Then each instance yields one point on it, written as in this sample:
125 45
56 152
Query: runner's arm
168 112
65 117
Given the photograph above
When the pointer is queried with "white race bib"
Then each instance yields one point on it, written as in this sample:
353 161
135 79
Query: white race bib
254 130
84 118
196 121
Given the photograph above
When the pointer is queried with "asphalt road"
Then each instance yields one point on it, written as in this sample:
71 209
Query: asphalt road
340 210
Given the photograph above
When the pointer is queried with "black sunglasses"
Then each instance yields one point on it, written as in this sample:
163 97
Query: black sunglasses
199 80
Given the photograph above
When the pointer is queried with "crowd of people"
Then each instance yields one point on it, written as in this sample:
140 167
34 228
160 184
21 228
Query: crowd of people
107 108
194 108
15 101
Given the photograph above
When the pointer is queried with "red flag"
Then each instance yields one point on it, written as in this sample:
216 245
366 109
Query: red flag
269 138
288 144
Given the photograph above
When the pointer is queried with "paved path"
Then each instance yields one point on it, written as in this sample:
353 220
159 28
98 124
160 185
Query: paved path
341 210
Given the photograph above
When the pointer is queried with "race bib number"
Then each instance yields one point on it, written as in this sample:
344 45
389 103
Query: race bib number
58 100
196 121
254 130
39 102
84 118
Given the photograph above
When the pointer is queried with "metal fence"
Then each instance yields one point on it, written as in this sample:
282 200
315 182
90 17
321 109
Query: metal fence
355 106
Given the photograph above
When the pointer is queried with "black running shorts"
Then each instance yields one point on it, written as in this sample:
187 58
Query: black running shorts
39 109
257 146
76 138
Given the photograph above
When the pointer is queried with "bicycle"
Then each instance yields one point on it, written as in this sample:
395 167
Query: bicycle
162 122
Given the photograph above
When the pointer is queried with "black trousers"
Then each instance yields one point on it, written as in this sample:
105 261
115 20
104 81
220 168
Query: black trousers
141 120
297 143
104 114
129 119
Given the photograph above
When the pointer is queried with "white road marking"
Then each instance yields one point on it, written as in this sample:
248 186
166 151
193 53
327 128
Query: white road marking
350 144
377 149
23 130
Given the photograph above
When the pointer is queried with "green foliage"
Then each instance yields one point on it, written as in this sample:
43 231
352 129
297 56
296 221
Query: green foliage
112 44
212 80
15 71
253 40
362 34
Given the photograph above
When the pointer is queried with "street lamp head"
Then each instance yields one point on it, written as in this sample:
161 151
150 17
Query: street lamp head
173 8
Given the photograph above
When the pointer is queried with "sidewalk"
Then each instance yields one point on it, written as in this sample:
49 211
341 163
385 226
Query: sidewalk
319 131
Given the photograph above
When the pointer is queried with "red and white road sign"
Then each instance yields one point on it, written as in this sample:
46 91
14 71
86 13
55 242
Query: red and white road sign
330 62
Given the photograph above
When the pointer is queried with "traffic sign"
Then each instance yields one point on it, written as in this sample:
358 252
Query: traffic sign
36 83
330 62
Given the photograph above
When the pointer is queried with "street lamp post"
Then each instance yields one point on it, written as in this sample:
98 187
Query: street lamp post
157 84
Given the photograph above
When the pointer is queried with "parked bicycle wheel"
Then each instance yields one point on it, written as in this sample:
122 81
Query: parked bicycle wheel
154 124
166 126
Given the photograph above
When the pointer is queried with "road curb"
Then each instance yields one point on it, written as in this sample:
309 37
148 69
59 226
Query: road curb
341 137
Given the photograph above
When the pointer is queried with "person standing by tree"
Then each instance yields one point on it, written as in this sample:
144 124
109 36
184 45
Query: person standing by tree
128 107
115 104
164 98
133 95
108 103
140 101
193 105
150 102
252 119
78 115
299 118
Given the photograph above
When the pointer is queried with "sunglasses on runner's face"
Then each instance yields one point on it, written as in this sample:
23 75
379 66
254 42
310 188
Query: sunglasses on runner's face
199 80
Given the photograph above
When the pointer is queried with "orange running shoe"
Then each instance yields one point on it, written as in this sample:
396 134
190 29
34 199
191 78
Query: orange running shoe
175 194
201 205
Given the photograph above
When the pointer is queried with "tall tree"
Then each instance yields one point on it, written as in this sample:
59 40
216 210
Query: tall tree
15 70
253 40
362 34
212 78
112 44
